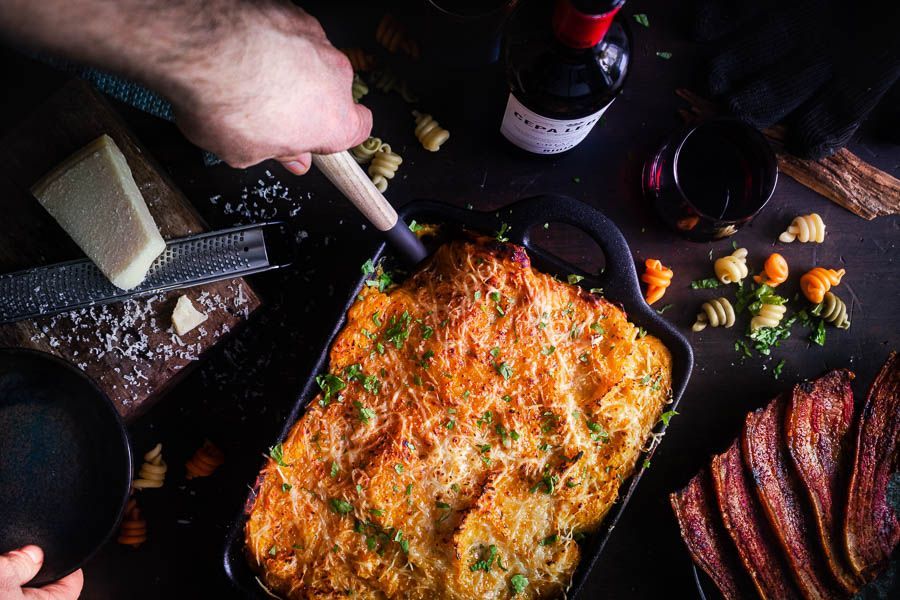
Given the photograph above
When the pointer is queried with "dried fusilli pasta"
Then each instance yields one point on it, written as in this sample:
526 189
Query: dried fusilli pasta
153 471
657 277
833 310
429 132
769 316
205 461
360 60
775 271
358 88
718 312
384 166
133 530
388 81
392 34
732 268
364 152
816 282
805 228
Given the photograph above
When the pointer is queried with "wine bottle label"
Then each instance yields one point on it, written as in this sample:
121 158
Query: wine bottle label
542 135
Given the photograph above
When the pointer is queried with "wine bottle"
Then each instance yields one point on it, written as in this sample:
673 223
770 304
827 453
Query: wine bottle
565 63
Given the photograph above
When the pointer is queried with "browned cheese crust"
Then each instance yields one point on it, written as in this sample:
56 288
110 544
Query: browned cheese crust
489 416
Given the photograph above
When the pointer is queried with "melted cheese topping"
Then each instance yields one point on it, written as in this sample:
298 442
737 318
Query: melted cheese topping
488 416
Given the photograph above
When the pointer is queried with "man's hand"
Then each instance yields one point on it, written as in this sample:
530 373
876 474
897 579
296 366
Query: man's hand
272 87
18 568
248 80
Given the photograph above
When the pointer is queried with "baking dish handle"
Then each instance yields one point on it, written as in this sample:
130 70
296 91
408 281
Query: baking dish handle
619 272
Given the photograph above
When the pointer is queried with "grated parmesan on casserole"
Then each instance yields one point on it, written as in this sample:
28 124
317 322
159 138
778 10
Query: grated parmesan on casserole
476 420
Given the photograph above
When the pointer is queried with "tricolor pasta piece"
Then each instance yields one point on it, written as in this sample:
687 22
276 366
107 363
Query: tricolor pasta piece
657 277
205 461
805 228
392 34
816 282
364 152
775 271
360 60
429 132
718 312
358 88
769 315
833 310
133 529
732 268
153 471
384 166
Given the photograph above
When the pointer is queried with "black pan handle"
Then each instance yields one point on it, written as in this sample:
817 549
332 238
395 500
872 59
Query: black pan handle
619 272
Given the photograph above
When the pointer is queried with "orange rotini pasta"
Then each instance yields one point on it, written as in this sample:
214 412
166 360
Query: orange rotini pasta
392 34
133 530
775 271
205 461
658 278
360 60
816 282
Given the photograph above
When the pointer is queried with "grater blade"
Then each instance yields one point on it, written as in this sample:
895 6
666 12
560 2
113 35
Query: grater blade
186 262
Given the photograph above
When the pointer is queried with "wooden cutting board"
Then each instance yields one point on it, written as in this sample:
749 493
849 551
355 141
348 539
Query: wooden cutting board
128 348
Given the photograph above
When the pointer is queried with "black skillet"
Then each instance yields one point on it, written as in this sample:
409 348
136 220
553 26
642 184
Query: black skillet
65 463
618 280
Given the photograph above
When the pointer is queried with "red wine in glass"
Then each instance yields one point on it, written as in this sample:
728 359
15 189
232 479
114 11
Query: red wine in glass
711 179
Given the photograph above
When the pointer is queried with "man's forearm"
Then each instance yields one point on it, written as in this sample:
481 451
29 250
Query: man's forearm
152 41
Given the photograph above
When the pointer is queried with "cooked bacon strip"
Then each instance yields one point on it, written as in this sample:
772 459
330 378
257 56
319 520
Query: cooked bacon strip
782 499
817 426
702 531
748 528
872 529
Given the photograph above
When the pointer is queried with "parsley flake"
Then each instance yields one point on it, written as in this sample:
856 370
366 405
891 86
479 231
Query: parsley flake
276 453
705 284
642 19
518 583
573 279
341 507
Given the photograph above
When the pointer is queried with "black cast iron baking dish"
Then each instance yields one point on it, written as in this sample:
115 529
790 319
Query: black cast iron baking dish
618 280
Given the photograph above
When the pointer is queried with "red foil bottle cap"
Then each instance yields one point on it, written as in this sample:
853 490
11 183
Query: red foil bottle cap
578 29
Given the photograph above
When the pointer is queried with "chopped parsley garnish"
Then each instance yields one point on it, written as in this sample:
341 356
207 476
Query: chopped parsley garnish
667 416
335 469
450 424
778 368
276 452
766 338
382 281
398 468
506 398
427 332
664 55
598 434
597 328
376 319
641 332
397 331
518 583
584 357
548 350
501 235
642 19
664 308
368 267
415 227
273 551
576 179
341 507
365 413
486 561
549 540
818 333
705 284
504 369
598 291
330 384
573 279
286 487
506 436
486 418
742 347
495 351
548 482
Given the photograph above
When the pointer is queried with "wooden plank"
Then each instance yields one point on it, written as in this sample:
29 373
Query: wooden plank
129 348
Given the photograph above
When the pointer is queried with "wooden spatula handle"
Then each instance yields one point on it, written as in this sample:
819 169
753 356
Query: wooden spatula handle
347 176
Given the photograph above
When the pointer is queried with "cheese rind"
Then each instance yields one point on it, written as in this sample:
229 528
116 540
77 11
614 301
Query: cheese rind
94 197
185 317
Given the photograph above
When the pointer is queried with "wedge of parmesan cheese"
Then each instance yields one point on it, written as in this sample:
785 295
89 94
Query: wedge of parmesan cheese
93 196
185 317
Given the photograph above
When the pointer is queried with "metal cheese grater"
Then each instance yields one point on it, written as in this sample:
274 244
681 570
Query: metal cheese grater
186 262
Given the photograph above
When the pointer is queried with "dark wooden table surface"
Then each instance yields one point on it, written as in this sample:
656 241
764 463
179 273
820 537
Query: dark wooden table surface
240 395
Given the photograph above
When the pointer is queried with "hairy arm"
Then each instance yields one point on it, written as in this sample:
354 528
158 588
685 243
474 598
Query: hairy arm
249 80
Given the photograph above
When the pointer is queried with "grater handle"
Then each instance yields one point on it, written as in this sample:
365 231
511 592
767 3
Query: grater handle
344 172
